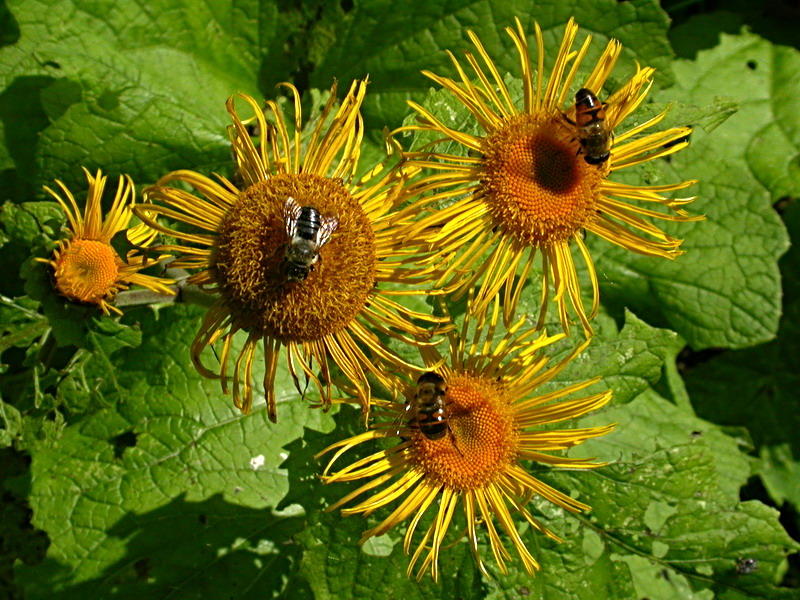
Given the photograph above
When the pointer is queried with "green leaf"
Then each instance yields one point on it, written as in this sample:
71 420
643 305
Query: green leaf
21 229
668 505
581 568
725 292
763 138
10 424
174 462
392 41
758 387
108 336
130 88
19 541
22 120
90 378
216 549
352 572
20 323
629 361
780 472
744 166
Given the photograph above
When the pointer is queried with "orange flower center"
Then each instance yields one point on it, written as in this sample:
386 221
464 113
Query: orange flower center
536 182
482 438
86 270
252 269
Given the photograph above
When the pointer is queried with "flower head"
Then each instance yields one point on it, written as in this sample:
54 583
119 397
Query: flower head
464 432
86 268
301 257
537 176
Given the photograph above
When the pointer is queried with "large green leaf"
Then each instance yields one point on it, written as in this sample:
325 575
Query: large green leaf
725 292
131 88
392 41
667 505
769 143
171 489
758 387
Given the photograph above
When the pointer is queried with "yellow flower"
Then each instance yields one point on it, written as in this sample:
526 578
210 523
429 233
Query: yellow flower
494 420
86 268
526 184
321 310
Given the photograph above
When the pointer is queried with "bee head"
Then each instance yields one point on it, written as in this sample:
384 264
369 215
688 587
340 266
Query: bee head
586 97
296 272
431 377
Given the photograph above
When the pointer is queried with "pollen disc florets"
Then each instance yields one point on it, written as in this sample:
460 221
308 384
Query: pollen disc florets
250 261
483 436
536 182
86 270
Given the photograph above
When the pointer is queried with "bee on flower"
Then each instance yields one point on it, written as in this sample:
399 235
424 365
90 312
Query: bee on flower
301 255
535 179
467 429
86 267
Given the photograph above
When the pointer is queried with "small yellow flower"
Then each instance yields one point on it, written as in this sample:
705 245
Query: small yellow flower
494 421
86 268
524 186
241 242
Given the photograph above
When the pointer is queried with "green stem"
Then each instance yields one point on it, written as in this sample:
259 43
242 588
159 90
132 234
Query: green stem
32 330
184 293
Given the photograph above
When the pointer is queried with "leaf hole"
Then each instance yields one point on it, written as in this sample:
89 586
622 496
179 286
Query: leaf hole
752 65
142 568
123 441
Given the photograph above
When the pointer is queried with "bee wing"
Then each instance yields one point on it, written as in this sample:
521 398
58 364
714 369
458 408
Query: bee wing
291 212
405 417
326 229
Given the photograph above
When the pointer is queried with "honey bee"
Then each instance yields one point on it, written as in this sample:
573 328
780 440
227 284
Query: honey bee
593 132
308 231
428 409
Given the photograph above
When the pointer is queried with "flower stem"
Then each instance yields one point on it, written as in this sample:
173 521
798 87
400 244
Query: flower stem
32 330
185 293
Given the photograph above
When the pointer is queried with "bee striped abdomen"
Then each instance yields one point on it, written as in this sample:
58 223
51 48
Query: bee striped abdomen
308 223
593 133
430 411
433 425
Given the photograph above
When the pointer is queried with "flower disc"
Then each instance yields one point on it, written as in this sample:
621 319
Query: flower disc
86 270
537 182
482 439
251 268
